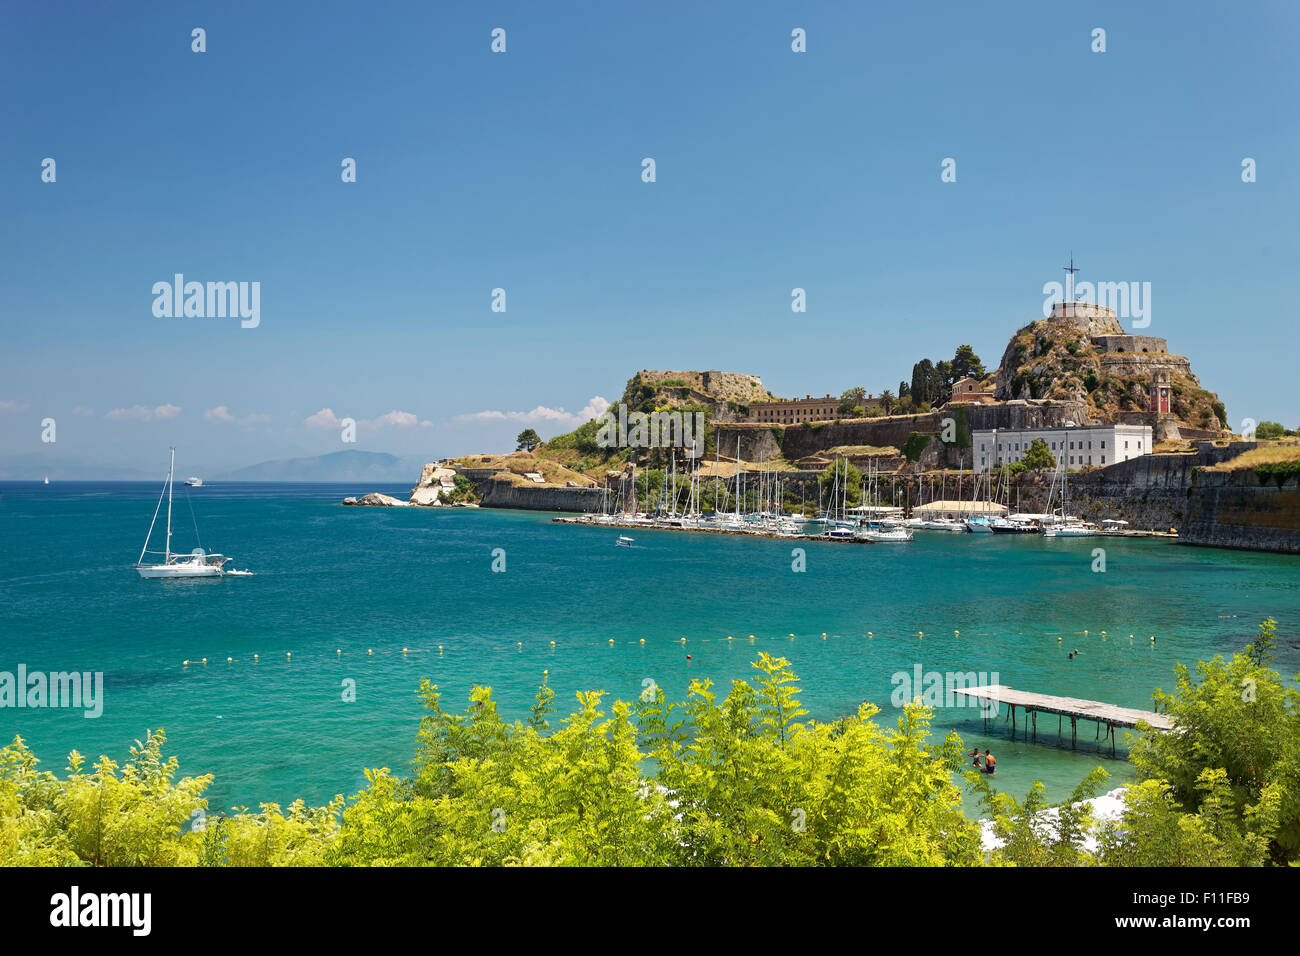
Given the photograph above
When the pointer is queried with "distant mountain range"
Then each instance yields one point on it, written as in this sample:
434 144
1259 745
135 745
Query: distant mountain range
356 466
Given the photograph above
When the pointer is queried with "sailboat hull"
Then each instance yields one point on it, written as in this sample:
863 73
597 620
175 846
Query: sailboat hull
178 571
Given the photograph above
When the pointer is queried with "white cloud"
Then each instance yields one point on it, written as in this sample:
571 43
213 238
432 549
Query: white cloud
143 413
83 410
223 415
325 418
543 415
13 406
396 419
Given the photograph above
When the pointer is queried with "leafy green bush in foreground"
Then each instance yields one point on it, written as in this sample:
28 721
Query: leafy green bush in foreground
736 781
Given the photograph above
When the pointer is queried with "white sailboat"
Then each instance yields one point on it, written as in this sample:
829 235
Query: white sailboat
196 564
1067 526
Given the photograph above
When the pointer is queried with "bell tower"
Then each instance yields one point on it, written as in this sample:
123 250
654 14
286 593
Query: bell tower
1161 392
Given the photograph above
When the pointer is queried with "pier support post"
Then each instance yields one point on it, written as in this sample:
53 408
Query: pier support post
1074 726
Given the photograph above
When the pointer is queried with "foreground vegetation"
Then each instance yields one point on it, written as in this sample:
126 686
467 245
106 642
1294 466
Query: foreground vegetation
737 781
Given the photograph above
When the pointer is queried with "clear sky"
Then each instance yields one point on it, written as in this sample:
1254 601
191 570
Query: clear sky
522 170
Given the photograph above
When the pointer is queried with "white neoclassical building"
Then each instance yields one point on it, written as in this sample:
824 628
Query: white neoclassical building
1072 446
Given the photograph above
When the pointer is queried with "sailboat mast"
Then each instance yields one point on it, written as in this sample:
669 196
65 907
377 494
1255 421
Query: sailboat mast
171 472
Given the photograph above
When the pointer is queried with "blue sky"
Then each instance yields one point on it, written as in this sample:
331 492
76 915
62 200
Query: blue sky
522 171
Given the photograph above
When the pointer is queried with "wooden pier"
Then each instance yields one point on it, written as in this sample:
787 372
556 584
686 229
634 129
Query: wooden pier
1105 716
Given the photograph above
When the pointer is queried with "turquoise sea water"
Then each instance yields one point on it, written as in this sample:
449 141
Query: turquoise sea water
332 579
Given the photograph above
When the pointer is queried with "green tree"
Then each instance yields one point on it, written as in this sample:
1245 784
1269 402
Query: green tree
851 397
1038 456
527 440
850 481
965 363
887 402
1269 430
1238 717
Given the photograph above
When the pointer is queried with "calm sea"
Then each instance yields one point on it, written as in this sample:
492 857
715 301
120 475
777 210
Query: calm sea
331 579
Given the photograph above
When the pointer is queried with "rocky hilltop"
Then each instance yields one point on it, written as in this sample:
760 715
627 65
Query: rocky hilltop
1081 353
725 394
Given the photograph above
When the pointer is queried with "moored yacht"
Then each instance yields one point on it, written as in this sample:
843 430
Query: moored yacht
196 564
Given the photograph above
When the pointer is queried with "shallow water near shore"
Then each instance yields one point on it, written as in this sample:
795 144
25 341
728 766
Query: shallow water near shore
330 579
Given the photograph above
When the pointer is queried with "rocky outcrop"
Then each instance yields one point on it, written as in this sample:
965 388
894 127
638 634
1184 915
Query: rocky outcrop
737 387
375 499
435 479
1089 359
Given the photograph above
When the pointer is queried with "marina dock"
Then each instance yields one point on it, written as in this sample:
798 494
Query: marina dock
1106 716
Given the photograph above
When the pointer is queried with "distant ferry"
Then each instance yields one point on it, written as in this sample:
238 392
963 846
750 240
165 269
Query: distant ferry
194 482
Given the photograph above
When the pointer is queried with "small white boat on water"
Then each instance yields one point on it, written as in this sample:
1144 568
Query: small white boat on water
47 479
1070 529
623 541
196 564
194 482
884 532
936 524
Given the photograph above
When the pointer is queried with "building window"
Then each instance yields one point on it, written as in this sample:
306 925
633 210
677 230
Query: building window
1103 445
1126 446
1103 459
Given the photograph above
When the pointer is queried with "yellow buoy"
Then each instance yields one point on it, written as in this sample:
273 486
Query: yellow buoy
205 660
403 650
229 659
643 640
519 643
339 651
823 635
288 655
611 642
870 635
439 648
184 662
552 643
255 657
683 640
370 650
920 633
1058 640
956 633
728 637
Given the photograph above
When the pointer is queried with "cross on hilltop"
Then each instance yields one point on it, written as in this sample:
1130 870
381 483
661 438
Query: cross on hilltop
1070 270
